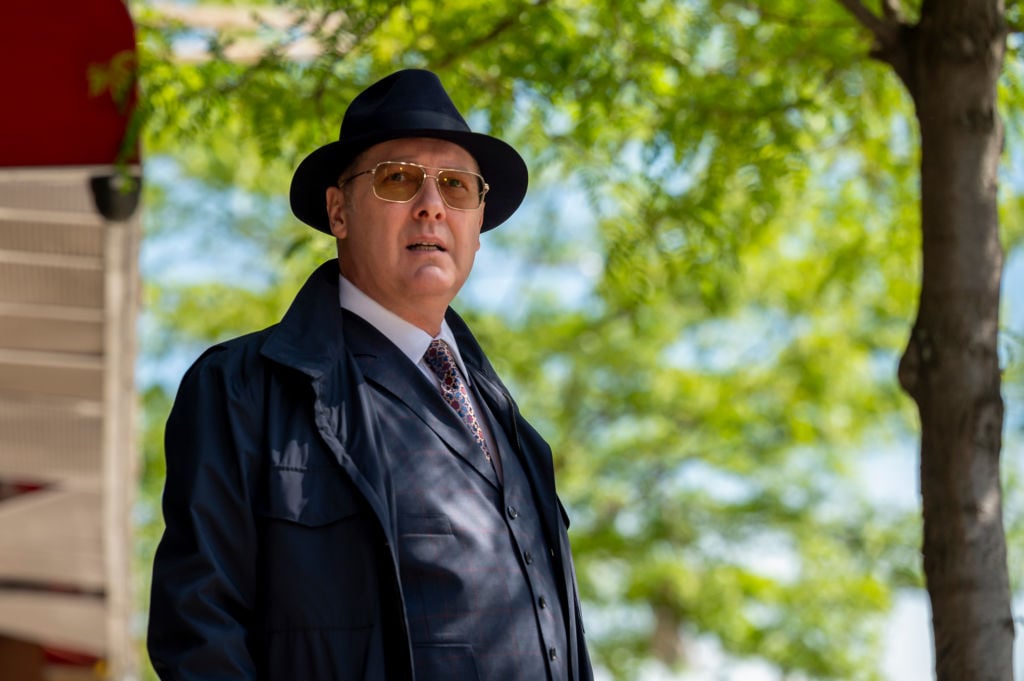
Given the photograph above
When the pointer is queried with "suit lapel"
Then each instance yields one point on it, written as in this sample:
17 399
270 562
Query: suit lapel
384 365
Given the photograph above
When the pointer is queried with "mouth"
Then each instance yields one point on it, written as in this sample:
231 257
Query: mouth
426 246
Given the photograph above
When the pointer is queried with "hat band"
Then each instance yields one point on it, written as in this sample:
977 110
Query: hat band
419 119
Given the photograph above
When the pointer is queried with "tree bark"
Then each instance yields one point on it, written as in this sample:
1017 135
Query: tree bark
950 62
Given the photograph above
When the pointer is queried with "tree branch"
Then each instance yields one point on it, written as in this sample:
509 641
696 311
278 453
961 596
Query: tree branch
886 31
893 36
892 11
508 22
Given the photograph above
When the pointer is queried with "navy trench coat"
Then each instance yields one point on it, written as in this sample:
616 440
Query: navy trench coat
277 561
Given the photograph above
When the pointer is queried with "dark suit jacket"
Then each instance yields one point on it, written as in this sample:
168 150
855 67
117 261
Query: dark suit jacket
278 558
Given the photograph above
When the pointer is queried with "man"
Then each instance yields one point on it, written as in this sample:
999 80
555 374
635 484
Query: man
352 493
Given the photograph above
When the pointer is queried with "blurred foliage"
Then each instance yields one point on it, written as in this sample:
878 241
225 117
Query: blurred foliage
701 305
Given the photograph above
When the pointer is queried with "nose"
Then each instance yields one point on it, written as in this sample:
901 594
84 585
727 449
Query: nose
428 204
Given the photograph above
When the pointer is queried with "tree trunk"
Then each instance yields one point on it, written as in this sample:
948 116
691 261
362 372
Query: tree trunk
951 62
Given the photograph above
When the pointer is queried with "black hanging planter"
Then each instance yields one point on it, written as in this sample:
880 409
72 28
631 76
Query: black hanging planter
117 195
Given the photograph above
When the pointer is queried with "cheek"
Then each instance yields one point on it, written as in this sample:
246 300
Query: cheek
470 247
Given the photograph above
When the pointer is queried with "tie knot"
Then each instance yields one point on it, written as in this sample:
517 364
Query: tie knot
439 358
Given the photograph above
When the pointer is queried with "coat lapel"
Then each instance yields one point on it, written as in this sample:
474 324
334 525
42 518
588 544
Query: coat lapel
385 366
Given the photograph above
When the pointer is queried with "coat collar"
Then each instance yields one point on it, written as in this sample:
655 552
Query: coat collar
313 339
339 352
309 337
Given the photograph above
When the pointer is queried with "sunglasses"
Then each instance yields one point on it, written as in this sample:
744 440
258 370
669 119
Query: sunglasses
399 182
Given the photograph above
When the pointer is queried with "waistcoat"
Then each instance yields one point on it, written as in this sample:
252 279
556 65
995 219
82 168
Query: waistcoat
478 577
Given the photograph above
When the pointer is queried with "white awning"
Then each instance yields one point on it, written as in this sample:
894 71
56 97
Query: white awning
68 298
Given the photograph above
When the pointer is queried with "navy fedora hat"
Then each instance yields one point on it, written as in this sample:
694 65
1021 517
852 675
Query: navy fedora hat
408 103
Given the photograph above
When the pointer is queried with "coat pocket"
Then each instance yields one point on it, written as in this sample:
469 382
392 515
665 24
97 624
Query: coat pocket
321 552
433 524
314 496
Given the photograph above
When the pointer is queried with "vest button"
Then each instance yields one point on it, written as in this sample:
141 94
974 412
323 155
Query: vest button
552 654
512 512
542 602
528 557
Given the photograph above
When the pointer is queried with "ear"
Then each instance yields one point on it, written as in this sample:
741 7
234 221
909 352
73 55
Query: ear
335 198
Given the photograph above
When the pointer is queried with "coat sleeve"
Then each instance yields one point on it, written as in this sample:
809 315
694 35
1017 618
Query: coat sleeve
204 573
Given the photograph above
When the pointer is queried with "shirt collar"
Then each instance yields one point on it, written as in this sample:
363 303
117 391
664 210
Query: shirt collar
409 338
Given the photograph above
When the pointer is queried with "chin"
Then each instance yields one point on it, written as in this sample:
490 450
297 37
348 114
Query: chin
433 281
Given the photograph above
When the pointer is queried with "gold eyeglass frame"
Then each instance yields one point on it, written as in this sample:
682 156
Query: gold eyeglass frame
436 177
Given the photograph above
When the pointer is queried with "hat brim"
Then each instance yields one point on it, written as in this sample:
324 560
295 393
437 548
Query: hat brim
501 165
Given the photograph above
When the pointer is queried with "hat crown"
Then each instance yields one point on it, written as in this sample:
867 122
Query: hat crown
406 100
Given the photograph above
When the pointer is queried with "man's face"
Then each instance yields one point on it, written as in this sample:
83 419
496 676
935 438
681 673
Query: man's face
412 257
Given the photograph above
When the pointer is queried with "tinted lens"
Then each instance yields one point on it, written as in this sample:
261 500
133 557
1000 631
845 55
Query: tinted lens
459 188
401 182
397 181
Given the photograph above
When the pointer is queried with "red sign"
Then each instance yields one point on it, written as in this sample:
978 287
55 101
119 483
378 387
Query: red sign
68 88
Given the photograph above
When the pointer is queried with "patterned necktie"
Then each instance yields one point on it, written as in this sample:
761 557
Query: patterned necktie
439 358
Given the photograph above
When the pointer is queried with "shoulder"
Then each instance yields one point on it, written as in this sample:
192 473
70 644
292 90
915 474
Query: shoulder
233 368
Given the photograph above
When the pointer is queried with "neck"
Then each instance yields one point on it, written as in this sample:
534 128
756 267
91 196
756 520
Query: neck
430 323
